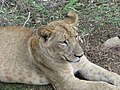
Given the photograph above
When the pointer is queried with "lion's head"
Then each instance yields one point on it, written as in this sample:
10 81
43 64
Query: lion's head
59 40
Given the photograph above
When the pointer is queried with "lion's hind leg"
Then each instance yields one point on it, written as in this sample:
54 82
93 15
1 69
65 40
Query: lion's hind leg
22 75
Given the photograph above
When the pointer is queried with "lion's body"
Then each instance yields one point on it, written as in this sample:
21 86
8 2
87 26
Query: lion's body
14 57
50 54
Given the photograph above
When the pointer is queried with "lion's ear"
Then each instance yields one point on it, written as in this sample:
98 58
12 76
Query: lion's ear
44 32
72 18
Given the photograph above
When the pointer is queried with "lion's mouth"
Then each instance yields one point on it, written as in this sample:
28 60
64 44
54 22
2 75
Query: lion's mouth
77 59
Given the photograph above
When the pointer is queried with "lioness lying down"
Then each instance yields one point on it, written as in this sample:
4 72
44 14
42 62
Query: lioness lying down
51 54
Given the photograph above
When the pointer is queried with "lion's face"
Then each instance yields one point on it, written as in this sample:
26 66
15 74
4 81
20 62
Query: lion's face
59 39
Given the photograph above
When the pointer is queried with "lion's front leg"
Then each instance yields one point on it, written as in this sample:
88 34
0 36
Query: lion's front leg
73 83
93 72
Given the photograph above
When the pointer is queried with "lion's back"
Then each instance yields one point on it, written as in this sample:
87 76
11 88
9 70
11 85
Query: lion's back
13 46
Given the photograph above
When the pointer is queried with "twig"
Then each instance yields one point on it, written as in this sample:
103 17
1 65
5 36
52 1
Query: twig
27 19
2 5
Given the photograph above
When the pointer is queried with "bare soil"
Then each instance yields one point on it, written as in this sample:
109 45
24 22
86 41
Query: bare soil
106 58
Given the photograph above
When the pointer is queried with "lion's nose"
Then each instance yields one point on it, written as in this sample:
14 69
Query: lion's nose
79 56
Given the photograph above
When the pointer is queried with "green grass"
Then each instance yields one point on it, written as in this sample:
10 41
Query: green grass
6 86
33 13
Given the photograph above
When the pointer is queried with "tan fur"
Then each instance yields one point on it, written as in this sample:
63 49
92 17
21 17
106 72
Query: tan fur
50 54
14 57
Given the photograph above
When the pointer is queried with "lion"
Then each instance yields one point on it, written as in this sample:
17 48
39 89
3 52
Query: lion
51 54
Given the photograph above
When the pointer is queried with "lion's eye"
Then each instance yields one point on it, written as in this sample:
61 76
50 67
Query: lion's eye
63 43
77 37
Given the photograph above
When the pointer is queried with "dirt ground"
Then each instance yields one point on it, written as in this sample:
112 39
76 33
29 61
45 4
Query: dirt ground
109 58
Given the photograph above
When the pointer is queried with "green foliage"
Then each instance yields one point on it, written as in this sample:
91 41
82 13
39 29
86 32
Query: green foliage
103 1
36 6
98 15
7 86
70 6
